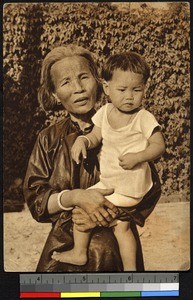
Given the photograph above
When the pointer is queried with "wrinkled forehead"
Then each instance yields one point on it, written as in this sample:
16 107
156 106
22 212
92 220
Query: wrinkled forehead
70 66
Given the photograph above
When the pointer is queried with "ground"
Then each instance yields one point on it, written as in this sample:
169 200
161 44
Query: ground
165 239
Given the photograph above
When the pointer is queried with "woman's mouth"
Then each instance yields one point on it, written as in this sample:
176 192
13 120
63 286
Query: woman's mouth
81 100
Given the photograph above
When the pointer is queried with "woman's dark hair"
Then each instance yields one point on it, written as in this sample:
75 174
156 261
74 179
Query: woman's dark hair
126 61
46 91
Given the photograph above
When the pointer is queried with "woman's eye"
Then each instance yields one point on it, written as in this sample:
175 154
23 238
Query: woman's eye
65 83
137 90
121 90
84 77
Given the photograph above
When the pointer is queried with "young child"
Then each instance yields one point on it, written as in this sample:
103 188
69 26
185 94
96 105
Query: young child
131 138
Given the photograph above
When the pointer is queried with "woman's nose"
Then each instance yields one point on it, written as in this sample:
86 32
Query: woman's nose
78 87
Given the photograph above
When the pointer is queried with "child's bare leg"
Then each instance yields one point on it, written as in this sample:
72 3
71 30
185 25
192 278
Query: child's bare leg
127 245
78 255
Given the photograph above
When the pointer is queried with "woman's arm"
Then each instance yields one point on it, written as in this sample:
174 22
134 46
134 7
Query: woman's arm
93 202
36 187
42 198
82 143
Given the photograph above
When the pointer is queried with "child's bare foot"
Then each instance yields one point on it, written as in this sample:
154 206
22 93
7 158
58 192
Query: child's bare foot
71 257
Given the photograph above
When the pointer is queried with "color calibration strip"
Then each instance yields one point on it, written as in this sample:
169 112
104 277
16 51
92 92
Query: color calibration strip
99 285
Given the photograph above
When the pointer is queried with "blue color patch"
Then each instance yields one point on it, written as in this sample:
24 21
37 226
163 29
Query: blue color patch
159 293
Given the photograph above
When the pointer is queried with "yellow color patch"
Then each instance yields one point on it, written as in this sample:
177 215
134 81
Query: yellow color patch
80 294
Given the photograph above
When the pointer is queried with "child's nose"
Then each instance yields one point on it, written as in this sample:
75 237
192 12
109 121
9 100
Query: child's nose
129 95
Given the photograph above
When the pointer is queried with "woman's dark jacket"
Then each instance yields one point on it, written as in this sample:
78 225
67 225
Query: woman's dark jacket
50 170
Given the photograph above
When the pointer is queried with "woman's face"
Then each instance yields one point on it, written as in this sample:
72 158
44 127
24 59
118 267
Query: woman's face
74 84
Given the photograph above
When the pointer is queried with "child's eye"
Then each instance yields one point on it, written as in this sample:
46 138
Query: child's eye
137 90
121 90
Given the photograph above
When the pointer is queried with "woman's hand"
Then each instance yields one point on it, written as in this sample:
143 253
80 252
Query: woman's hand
82 220
96 206
128 161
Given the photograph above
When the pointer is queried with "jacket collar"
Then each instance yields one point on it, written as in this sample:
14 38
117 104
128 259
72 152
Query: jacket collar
71 127
79 131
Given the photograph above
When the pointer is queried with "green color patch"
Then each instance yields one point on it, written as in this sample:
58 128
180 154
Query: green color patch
120 294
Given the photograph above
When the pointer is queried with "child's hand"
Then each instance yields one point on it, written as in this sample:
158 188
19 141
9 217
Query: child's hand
128 161
78 148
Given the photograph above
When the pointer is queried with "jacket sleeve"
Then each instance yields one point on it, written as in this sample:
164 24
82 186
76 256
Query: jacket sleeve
37 189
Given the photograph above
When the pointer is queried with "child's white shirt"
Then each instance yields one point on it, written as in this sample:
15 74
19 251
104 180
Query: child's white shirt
131 138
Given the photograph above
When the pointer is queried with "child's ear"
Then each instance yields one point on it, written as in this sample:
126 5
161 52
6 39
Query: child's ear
145 90
105 87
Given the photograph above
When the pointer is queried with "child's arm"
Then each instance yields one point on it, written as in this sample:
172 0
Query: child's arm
154 150
82 143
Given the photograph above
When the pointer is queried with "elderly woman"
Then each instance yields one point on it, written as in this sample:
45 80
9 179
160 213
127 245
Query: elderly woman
55 186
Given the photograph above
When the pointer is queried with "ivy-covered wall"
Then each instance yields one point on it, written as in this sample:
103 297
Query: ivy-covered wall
31 30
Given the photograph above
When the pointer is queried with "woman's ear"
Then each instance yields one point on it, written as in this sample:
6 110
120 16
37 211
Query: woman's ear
56 98
105 87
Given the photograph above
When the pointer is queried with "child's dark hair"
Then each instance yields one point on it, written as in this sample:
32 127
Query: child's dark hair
126 61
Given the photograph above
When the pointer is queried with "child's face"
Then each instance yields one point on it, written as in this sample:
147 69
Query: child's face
125 89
